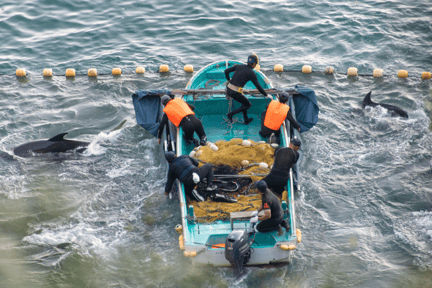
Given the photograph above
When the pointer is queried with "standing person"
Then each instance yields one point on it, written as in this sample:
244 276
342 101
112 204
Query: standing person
285 158
274 115
186 169
273 212
181 114
242 74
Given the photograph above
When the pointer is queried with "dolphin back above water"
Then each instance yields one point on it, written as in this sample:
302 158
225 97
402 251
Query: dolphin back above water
394 111
56 144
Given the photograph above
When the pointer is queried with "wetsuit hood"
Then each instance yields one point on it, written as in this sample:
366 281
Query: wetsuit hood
170 156
252 59
261 186
165 99
283 97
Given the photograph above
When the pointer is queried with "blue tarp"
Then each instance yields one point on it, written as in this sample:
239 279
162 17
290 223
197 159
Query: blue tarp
148 110
306 107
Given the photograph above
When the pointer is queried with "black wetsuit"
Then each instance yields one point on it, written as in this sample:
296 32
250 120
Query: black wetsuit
270 201
182 168
190 124
242 74
266 132
277 179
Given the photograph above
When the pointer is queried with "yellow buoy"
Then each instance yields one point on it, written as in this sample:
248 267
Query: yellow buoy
378 73
163 68
116 71
426 75
92 72
299 236
278 68
188 68
181 242
179 228
70 72
257 67
402 74
352 71
329 70
21 72
47 72
190 253
307 69
140 70
287 247
284 247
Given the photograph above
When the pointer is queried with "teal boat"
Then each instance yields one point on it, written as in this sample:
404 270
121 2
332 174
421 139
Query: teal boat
204 242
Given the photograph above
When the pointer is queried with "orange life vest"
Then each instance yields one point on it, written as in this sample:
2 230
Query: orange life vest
176 110
275 115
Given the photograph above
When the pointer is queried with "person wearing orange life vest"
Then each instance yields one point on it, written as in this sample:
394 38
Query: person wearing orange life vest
275 114
181 115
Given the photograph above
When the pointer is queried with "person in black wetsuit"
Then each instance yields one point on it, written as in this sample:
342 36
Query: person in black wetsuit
181 114
186 169
285 158
273 212
273 117
242 74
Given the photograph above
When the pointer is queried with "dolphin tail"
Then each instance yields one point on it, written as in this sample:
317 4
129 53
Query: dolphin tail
367 100
58 137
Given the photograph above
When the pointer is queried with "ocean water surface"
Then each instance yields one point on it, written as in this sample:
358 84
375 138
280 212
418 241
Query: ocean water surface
102 220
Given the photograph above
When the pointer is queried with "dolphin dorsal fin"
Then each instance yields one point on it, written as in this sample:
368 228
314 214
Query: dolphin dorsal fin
367 99
58 137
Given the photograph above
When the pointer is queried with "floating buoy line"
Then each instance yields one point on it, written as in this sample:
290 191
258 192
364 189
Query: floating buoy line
278 68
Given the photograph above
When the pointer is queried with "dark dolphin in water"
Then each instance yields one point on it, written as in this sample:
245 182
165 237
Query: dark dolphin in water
55 144
394 111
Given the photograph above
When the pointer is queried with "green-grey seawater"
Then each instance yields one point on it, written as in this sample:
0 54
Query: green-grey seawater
102 220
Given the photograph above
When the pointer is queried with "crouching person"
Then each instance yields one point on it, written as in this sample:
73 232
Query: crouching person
185 168
273 213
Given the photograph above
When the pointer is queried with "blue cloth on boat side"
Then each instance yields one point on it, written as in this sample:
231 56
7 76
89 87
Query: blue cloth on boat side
306 107
148 109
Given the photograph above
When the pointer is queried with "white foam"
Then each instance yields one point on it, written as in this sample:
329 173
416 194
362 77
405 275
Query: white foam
124 170
423 220
80 234
95 148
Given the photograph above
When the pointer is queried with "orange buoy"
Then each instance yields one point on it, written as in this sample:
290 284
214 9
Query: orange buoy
278 68
378 73
163 68
20 72
352 71
92 72
140 70
47 72
426 75
329 70
70 72
188 68
116 71
299 235
307 69
402 74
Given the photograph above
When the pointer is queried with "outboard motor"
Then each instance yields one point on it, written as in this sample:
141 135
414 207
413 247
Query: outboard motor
238 246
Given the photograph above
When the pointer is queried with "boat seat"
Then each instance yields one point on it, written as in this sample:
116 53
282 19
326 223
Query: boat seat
243 215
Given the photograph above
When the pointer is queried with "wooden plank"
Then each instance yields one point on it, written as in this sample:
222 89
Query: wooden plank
212 92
